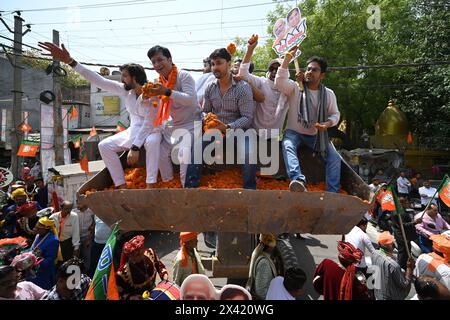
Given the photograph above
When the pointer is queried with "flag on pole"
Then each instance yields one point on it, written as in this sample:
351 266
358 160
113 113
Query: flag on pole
103 285
25 127
387 200
84 163
410 139
73 112
77 141
444 190
121 127
93 132
28 148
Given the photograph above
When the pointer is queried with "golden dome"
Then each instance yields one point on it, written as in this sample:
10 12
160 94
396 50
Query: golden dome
392 121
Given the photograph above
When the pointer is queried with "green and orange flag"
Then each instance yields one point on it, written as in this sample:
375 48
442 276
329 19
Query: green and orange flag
25 127
77 141
120 127
28 148
444 190
103 285
73 112
387 200
84 162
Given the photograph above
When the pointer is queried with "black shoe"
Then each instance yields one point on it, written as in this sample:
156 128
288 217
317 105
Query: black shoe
299 236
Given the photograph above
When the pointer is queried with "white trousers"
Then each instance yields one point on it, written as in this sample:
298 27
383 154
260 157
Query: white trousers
110 146
180 152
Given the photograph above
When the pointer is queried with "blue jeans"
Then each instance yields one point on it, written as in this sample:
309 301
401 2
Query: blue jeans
194 171
292 140
425 244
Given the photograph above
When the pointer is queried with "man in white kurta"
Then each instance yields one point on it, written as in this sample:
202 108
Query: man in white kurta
141 131
271 113
184 113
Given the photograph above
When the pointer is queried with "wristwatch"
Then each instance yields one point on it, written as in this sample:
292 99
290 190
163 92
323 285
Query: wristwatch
134 148
168 92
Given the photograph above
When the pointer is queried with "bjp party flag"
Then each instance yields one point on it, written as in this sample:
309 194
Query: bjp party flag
28 148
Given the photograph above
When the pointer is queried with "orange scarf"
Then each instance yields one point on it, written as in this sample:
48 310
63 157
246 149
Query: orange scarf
163 112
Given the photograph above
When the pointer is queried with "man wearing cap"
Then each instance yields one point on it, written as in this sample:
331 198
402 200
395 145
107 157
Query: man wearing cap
393 283
68 227
138 269
46 247
311 112
437 263
12 213
270 113
187 261
337 282
263 268
27 220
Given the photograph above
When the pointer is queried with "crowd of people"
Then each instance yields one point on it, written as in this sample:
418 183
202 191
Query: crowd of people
68 237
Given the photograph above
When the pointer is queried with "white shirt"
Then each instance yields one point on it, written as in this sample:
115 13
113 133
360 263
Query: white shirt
403 185
271 113
277 291
361 240
441 273
70 228
292 91
373 187
142 113
426 194
201 84
26 290
86 219
102 231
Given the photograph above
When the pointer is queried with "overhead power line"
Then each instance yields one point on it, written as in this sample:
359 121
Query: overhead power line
163 14
94 6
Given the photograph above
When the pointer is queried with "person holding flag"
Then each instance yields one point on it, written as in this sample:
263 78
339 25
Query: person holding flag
103 285
141 132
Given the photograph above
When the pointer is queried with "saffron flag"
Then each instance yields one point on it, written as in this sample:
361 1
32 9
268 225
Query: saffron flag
28 148
103 285
93 132
387 200
410 139
73 112
84 163
25 127
444 190
121 127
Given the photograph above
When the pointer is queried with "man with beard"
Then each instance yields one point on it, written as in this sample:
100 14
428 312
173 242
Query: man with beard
179 101
311 113
232 102
141 131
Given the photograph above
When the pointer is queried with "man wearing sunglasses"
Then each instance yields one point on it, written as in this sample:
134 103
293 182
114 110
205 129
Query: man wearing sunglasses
311 112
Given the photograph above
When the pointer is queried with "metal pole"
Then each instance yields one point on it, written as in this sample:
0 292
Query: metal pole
57 116
16 162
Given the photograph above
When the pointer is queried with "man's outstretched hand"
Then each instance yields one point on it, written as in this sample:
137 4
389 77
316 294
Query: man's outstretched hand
56 52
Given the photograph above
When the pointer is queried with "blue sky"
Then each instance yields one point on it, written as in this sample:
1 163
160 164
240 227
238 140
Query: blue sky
190 37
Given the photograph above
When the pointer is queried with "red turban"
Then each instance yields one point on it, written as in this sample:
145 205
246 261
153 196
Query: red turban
129 247
29 206
352 255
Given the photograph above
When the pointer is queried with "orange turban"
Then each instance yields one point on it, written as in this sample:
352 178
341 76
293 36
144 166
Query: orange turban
185 237
441 243
385 238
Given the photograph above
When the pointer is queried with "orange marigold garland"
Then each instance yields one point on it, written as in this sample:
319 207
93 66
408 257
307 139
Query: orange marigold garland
231 48
163 112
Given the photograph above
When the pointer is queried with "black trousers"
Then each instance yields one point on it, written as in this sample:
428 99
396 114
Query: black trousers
96 252
66 249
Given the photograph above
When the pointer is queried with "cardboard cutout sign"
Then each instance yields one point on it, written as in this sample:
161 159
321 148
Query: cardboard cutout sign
289 32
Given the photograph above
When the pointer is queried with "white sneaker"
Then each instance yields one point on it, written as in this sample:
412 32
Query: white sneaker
297 186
